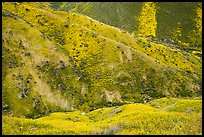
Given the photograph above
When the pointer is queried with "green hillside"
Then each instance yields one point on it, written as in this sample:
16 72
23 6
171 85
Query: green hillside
57 64
65 61
177 117
178 23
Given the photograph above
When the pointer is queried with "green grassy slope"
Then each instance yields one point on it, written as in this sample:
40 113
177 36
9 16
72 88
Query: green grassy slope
58 61
163 118
125 15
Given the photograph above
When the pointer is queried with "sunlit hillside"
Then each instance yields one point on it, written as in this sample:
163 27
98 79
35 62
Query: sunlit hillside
67 73
176 117
178 23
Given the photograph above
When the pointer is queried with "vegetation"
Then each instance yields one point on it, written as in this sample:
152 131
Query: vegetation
148 24
71 56
127 15
77 75
140 119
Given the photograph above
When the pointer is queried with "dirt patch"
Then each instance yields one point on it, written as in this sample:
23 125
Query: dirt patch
194 87
124 73
112 96
83 89
112 65
128 54
121 57
43 89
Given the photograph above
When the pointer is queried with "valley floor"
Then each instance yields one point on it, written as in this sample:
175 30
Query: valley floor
163 116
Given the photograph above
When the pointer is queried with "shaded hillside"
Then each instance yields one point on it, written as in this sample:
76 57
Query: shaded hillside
175 117
178 23
58 61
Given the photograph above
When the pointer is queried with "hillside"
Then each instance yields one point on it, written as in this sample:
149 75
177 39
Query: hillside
159 117
58 61
178 23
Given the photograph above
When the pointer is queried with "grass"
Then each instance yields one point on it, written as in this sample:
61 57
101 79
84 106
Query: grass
126 16
178 105
77 63
132 119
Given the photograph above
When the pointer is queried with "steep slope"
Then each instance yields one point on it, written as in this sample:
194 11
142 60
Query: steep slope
59 61
178 23
130 119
